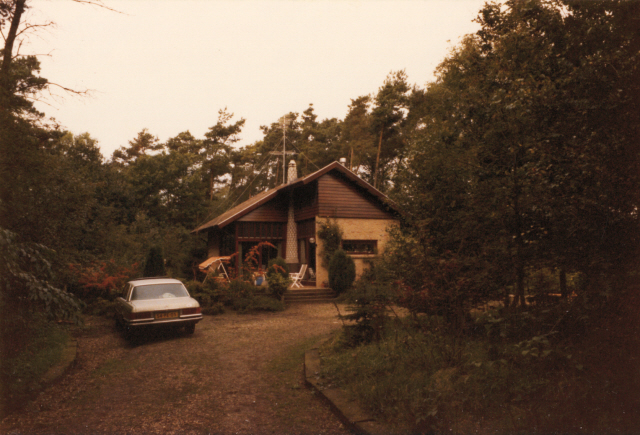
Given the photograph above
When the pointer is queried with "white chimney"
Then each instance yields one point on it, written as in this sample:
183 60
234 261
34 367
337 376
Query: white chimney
343 161
293 172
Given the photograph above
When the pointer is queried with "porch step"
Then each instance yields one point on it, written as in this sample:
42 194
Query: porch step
308 295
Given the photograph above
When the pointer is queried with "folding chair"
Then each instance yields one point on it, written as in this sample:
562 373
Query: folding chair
297 277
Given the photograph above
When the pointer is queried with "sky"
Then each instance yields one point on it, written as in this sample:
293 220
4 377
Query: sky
170 65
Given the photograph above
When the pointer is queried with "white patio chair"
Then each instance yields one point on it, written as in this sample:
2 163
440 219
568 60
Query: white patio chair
297 277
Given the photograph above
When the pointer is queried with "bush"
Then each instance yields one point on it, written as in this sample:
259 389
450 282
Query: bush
342 272
278 284
242 297
277 266
154 266
265 303
101 307
214 309
25 357
209 295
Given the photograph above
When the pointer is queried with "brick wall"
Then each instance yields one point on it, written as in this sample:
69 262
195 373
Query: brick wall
355 229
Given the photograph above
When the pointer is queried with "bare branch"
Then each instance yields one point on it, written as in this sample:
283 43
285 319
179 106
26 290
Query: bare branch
100 4
28 27
84 93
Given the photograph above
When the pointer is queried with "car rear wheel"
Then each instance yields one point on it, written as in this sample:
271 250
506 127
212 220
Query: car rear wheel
190 329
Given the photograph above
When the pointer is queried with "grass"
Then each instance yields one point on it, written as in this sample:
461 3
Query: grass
292 399
26 358
287 365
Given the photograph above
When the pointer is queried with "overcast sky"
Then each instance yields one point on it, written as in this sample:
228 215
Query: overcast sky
171 65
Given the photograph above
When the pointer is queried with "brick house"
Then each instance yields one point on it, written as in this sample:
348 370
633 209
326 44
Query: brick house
288 216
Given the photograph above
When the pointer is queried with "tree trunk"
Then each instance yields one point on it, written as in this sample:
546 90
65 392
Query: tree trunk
8 46
375 173
563 284
519 260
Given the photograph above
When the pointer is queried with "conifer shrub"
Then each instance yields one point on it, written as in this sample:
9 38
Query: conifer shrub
342 272
154 266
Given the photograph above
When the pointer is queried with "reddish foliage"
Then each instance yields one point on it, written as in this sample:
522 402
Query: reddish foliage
251 266
103 279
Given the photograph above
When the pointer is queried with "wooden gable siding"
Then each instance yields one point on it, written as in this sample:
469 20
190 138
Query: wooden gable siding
273 211
339 198
306 202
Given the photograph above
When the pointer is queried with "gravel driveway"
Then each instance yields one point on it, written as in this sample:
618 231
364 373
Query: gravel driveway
237 374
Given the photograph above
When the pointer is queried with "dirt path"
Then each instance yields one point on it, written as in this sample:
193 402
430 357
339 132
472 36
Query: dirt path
238 374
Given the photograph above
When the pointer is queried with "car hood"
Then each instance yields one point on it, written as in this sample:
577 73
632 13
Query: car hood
163 304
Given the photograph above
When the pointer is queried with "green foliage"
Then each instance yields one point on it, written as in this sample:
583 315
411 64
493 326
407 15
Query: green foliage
423 379
277 266
25 286
210 295
257 303
154 266
369 302
342 272
101 307
25 356
330 233
278 285
243 297
277 277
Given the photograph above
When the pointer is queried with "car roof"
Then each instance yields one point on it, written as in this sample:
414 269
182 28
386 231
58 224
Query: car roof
149 281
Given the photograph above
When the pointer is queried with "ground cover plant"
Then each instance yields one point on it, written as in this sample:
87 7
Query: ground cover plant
25 357
540 369
422 378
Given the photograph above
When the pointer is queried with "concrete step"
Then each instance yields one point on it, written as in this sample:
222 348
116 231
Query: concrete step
307 295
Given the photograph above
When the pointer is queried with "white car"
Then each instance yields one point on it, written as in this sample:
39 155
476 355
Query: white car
150 302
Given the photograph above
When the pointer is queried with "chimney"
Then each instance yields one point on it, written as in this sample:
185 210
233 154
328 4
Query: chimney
343 161
293 172
292 228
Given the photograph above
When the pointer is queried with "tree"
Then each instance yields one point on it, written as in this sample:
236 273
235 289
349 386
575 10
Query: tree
387 115
358 142
513 153
141 145
217 147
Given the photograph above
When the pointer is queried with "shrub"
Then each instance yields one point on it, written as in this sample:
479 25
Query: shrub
214 309
102 279
342 272
368 302
277 266
265 303
154 266
277 278
209 295
101 307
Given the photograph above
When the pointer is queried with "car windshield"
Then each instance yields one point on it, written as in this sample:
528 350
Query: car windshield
158 291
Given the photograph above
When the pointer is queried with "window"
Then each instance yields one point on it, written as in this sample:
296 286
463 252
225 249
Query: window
360 246
260 230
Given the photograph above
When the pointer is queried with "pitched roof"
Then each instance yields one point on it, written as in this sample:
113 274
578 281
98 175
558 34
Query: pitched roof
252 203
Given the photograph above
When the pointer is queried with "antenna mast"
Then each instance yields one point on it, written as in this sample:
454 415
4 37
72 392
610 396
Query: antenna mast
284 152
284 148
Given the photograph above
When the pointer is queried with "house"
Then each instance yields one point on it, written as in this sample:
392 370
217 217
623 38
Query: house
288 216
